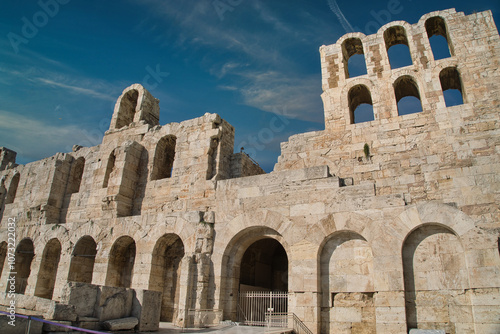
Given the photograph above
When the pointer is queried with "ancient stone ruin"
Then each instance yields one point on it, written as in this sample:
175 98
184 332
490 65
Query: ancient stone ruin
366 227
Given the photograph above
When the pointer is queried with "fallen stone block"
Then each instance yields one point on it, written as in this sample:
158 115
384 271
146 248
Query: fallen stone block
146 307
82 295
120 324
62 312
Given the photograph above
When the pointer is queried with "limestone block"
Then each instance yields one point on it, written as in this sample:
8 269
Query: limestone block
427 331
120 324
390 314
62 312
146 308
81 295
346 314
307 209
114 303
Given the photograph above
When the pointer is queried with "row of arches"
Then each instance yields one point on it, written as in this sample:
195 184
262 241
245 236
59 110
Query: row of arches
407 95
164 277
397 47
433 267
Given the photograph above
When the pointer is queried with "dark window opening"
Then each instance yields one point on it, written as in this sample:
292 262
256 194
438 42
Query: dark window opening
128 105
360 104
407 96
451 84
438 37
75 176
109 169
164 158
398 49
11 193
353 57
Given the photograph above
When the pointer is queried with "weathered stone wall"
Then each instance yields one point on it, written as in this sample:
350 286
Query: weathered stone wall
404 236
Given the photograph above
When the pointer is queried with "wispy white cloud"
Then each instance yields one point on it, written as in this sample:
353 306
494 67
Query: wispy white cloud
76 89
251 53
34 139
273 92
71 83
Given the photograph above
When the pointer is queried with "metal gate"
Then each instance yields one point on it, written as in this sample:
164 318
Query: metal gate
253 306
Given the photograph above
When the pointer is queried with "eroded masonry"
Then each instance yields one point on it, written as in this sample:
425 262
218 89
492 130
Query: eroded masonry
366 227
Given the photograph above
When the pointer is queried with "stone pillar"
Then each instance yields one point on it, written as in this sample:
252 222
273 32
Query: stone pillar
187 266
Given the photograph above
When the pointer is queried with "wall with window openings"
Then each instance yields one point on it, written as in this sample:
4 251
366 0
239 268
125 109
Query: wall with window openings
392 73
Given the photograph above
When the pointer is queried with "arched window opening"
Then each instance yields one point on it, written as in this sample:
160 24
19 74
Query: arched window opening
163 161
397 47
3 255
451 84
360 104
121 263
81 267
213 152
128 105
165 274
75 176
46 278
24 255
407 95
438 37
353 57
109 169
11 193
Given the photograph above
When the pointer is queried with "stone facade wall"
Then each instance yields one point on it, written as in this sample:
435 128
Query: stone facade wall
402 236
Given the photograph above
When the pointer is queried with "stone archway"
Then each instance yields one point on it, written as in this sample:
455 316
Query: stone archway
121 263
46 279
243 254
347 281
435 278
82 260
25 252
165 274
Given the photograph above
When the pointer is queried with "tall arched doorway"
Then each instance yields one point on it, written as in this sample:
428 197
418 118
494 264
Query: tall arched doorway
46 279
121 263
254 262
263 283
165 274
81 267
24 255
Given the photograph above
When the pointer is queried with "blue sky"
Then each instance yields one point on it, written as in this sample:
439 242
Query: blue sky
63 64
